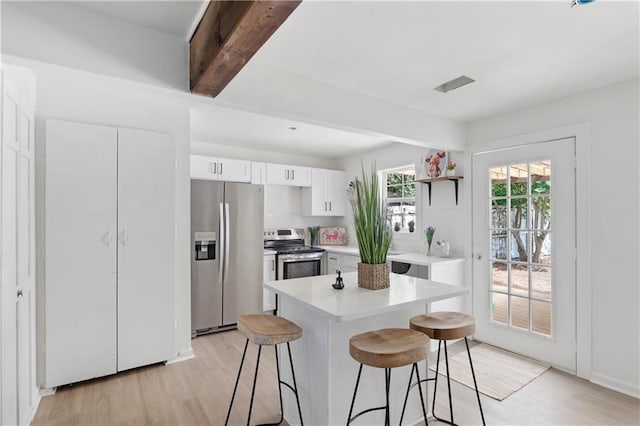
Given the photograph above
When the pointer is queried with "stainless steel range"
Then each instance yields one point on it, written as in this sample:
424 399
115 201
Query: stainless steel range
294 259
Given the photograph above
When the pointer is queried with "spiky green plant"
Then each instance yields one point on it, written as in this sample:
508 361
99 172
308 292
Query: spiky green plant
373 231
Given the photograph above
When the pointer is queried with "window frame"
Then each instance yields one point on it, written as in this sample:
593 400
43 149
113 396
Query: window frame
382 176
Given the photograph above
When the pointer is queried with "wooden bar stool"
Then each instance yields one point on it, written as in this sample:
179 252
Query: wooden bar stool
388 348
445 326
267 330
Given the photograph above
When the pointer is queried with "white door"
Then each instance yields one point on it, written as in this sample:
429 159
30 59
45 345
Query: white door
524 244
18 252
8 258
26 268
80 265
146 253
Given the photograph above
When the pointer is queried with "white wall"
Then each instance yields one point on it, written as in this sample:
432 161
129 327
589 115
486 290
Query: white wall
443 212
79 96
613 116
64 34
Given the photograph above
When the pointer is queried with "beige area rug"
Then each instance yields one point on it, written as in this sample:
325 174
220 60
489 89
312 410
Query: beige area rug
499 373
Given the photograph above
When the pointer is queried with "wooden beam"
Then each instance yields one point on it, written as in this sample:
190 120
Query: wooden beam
228 35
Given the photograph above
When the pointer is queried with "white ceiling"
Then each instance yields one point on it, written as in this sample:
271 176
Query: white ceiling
520 54
171 17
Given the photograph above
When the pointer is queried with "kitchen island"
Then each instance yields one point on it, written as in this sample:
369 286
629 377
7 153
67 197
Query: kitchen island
325 372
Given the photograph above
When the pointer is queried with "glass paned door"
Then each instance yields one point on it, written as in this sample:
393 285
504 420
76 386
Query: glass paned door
524 250
519 229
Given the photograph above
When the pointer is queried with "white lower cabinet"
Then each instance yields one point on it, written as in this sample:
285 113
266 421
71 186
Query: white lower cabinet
341 262
269 274
108 251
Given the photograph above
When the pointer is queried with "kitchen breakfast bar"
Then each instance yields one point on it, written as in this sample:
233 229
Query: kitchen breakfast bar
325 372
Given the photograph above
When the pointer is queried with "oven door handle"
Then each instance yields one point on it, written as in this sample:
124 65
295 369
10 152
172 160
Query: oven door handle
298 258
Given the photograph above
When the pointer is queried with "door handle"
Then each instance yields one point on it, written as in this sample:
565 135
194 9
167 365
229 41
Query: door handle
286 174
220 168
273 265
478 256
330 206
226 240
325 206
293 175
213 168
221 247
107 238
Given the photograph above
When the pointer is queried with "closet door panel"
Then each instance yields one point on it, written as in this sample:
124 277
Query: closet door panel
80 268
146 240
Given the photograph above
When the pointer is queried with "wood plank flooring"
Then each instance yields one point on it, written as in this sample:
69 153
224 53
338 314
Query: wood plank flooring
197 392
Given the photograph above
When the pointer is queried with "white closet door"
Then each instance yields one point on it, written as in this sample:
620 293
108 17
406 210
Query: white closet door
80 270
146 210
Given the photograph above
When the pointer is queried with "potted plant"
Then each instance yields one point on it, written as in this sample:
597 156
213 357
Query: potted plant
396 226
451 168
373 232
412 225
313 234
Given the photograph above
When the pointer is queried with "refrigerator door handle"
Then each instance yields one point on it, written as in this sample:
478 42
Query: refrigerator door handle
221 248
226 240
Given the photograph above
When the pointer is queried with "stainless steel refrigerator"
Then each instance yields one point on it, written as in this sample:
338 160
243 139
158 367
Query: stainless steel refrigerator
227 224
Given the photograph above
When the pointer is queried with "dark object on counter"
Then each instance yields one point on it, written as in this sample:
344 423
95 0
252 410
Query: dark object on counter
339 284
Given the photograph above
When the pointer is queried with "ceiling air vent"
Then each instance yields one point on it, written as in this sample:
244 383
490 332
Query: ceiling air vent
463 80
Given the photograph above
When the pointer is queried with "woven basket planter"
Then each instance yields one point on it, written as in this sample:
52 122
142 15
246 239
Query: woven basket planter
373 277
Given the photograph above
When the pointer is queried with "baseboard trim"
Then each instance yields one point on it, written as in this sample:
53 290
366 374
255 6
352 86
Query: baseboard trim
615 384
182 356
47 391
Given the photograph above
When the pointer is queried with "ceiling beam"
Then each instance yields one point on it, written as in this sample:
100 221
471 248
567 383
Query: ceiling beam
228 35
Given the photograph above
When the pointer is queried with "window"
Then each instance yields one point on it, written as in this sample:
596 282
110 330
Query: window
400 195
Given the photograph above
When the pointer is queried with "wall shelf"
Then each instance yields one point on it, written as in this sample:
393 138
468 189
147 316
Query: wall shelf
453 179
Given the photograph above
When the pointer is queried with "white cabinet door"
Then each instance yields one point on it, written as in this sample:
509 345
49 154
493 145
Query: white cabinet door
300 176
269 274
258 173
327 194
281 174
350 263
334 263
204 168
234 170
80 264
146 253
336 192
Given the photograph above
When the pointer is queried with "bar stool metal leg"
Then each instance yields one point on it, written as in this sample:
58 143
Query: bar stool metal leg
387 383
475 384
295 386
253 388
275 348
355 391
406 397
235 388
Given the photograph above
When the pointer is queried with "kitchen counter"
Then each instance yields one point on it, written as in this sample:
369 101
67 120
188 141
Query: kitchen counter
325 372
353 302
268 252
422 259
350 250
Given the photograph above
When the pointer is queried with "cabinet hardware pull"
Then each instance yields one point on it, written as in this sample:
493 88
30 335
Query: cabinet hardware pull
330 206
293 175
221 168
213 168
273 265
286 174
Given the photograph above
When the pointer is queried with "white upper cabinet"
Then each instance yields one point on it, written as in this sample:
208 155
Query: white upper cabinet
327 194
281 174
217 168
258 173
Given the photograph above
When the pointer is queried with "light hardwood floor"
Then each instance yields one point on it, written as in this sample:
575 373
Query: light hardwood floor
197 392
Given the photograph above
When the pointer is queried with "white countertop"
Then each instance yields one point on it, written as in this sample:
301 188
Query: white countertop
268 252
354 302
342 250
422 259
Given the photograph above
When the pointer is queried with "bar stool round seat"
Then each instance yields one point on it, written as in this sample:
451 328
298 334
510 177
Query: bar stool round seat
444 326
268 329
388 348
